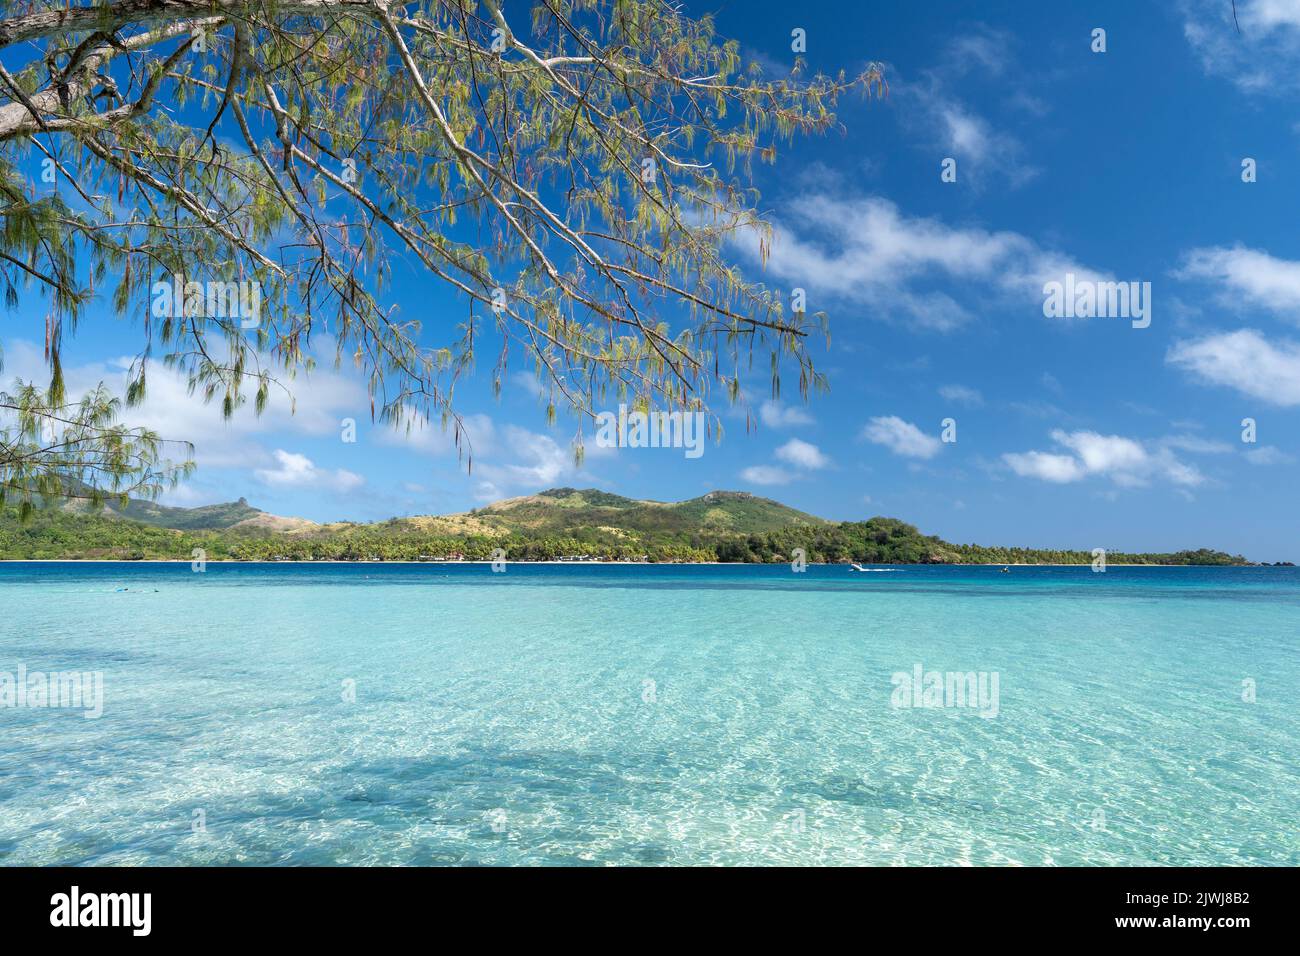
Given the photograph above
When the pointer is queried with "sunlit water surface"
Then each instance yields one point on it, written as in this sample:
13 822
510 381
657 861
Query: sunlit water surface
651 715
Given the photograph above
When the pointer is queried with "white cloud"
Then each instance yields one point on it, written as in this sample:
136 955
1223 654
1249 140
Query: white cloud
478 436
978 148
1038 409
774 414
1268 14
1196 445
982 48
933 109
1247 275
900 437
1246 361
540 463
964 133
802 454
1262 57
1044 465
867 252
766 475
962 395
298 471
1268 455
507 460
1125 461
529 383
319 401
1103 453
513 458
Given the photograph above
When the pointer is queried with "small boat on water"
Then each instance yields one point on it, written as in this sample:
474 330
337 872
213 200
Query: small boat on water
858 567
1005 571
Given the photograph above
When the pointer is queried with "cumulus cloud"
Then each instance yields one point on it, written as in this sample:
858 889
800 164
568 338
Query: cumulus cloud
802 454
981 48
867 252
540 463
1061 469
298 471
978 147
508 460
315 406
1125 461
962 395
901 437
478 436
1246 361
1103 453
774 414
529 383
766 475
1262 57
1268 455
1196 445
1248 276
932 108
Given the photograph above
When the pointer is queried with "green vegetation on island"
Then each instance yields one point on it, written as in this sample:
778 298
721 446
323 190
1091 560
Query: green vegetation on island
559 524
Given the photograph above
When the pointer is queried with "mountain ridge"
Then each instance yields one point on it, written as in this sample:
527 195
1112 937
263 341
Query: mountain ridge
555 524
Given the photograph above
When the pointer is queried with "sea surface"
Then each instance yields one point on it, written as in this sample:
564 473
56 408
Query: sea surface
596 715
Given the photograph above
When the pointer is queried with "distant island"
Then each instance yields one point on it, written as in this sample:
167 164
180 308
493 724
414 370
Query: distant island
561 524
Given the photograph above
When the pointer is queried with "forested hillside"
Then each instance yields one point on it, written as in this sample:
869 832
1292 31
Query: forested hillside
562 523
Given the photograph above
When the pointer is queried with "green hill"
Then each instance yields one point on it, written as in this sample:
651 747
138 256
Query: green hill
206 517
569 510
729 526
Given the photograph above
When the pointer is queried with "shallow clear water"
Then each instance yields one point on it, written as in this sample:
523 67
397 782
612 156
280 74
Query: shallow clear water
510 718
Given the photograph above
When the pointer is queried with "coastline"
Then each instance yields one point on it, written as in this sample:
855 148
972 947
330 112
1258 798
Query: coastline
739 564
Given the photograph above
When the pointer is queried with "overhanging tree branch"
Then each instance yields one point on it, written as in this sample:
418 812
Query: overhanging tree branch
575 184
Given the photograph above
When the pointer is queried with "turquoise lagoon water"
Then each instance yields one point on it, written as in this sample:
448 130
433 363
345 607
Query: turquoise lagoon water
651 715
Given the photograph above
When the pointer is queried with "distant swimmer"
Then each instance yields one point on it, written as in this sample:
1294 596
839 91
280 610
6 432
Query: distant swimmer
1006 571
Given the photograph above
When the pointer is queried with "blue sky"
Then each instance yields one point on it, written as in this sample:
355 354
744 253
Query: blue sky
1082 433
